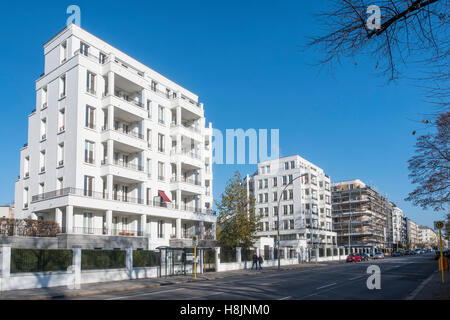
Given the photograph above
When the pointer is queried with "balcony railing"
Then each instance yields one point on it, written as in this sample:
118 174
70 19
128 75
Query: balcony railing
186 180
136 103
193 129
117 197
190 154
129 133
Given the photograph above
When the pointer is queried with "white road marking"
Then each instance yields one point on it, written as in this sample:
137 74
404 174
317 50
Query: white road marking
144 294
328 285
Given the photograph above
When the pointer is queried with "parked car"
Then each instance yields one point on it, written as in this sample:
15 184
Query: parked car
418 251
354 257
364 257
397 254
379 255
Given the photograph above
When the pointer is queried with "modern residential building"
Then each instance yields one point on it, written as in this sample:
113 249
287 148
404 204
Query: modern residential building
413 234
399 227
427 237
115 148
305 208
360 217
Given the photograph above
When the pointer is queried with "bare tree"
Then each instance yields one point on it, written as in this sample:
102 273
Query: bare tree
411 32
430 168
408 30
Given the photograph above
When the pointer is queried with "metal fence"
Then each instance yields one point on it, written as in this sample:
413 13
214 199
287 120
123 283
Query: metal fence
209 261
102 259
142 259
227 255
40 260
247 254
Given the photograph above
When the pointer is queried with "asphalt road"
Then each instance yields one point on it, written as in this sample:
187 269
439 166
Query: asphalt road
399 277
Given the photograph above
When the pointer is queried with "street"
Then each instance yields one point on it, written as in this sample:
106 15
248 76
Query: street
399 278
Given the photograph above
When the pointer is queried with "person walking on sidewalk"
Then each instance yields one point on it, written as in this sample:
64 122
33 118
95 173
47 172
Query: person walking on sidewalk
255 261
260 261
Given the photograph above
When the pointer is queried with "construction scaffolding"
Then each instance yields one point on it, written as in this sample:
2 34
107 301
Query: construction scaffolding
361 217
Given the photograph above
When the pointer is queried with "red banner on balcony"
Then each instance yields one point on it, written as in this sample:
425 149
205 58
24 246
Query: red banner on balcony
163 195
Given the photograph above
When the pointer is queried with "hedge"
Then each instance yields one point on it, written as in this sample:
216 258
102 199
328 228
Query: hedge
102 259
143 259
40 260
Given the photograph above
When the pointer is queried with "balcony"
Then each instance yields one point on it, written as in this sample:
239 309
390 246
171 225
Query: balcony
127 170
68 191
127 133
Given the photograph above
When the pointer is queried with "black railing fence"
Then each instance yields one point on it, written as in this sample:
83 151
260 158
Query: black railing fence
227 255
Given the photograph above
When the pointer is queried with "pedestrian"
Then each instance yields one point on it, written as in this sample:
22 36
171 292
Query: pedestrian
261 261
255 261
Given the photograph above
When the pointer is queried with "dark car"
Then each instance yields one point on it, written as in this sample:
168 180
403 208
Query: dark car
397 254
364 257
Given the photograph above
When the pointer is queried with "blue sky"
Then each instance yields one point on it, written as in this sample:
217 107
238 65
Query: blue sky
245 60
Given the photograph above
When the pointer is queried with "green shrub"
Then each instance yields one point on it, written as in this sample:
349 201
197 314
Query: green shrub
102 259
40 260
143 259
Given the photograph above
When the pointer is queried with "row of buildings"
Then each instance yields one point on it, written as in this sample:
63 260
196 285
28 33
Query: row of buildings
116 149
314 212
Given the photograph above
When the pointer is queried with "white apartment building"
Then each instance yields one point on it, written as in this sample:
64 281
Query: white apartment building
305 207
427 237
115 148
398 227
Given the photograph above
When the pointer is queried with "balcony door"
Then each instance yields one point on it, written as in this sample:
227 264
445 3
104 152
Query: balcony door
88 186
87 223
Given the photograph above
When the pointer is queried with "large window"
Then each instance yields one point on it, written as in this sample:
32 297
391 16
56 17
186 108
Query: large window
88 186
160 229
161 114
42 161
60 154
90 117
89 152
90 82
63 52
161 143
161 171
62 86
62 120
84 49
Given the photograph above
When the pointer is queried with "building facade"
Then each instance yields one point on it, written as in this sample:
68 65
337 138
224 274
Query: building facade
427 237
360 217
413 234
399 227
305 206
7 212
115 148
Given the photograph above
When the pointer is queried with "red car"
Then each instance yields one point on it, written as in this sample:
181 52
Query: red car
354 257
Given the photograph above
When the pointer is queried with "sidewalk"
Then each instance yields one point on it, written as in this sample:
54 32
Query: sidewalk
433 288
127 285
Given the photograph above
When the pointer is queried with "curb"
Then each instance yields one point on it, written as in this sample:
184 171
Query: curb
422 285
155 285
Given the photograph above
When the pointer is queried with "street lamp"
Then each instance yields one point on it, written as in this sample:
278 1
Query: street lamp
278 216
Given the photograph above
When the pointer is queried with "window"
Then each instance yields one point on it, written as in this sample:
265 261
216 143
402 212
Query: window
291 209
260 184
275 181
90 83
161 143
62 86
285 195
275 196
89 152
268 169
44 129
266 211
275 211
286 166
266 183
292 164
284 180
160 229
60 154
291 224
41 188
102 58
262 170
42 161
291 178
90 117
84 49
291 194
266 197
161 171
63 52
260 198
285 210
161 114
25 198
62 120
149 108
87 223
149 138
26 168
44 97
153 86
88 186
149 166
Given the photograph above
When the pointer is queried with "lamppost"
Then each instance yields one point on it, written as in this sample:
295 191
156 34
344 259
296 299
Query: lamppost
278 215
